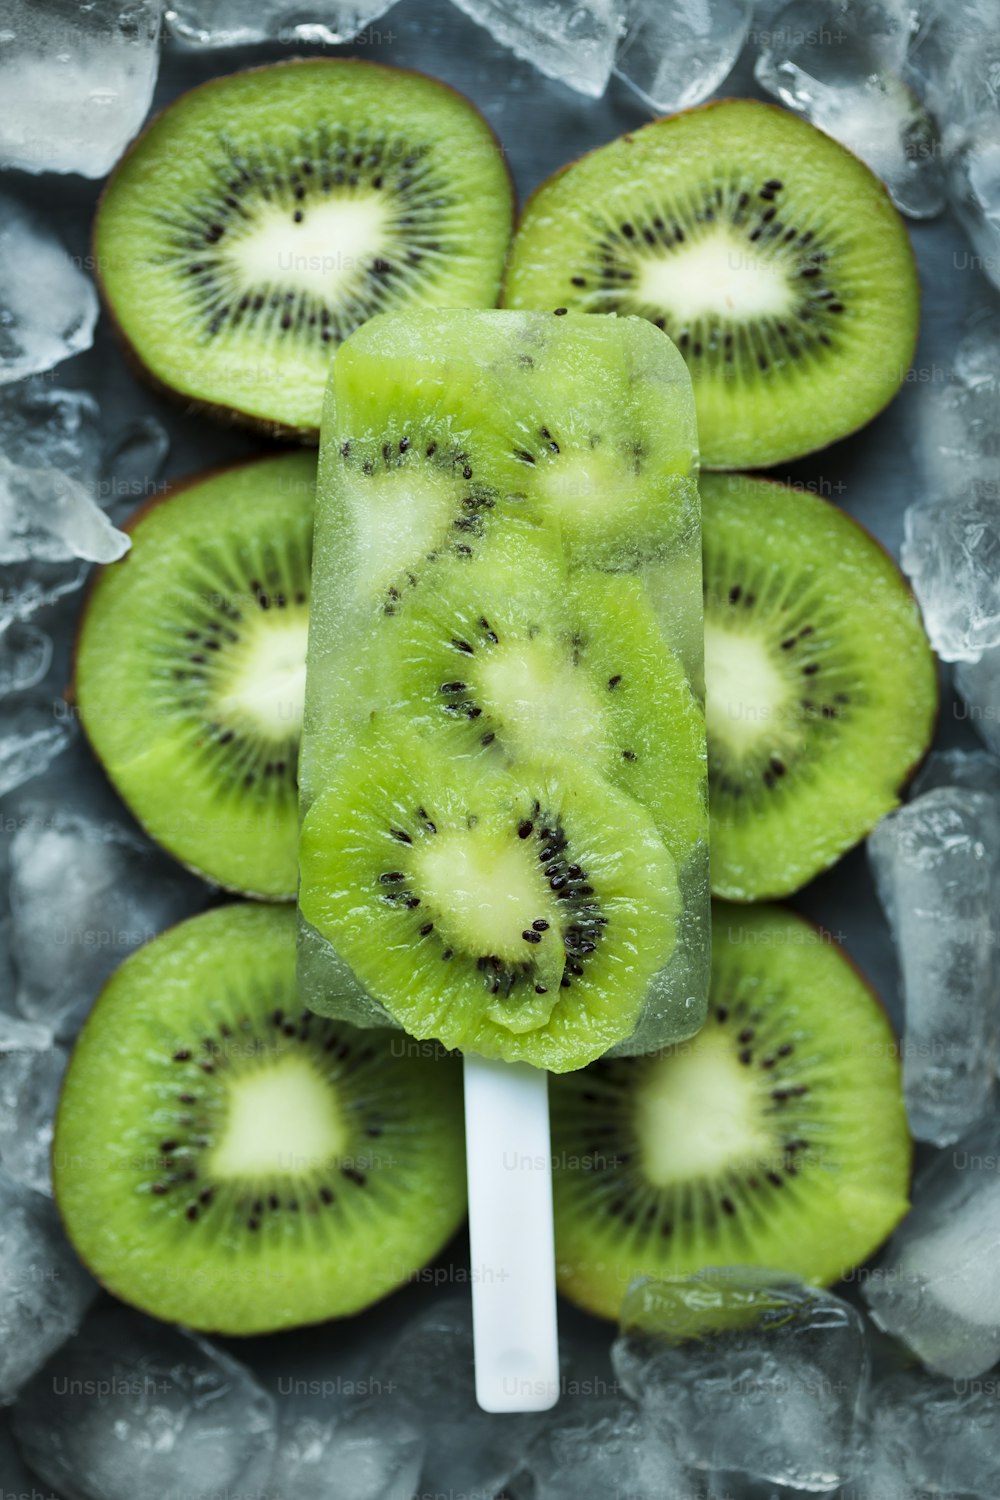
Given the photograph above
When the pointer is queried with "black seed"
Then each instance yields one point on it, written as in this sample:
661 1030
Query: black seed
540 924
615 680
530 936
427 929
403 838
524 829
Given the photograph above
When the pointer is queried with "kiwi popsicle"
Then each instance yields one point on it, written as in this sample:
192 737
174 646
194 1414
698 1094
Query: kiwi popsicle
504 837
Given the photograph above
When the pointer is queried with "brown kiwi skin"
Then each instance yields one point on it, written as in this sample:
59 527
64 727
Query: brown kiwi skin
219 411
629 136
782 896
70 696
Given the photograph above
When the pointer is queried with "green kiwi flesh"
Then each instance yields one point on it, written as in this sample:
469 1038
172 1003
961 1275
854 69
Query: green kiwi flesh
776 1137
190 670
518 915
226 1159
264 215
510 653
772 257
821 688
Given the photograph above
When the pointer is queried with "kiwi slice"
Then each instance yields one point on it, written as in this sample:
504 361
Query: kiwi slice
499 652
265 215
226 1159
776 1137
190 669
519 917
821 688
772 257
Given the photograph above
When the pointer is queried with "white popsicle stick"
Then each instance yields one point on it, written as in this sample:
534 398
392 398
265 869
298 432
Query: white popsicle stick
509 1162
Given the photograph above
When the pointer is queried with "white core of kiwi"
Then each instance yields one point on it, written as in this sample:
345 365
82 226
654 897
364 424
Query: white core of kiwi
266 684
747 698
281 1119
486 893
698 1113
546 707
718 274
397 517
327 253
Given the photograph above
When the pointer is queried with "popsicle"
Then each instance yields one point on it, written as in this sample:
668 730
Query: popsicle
503 771
503 762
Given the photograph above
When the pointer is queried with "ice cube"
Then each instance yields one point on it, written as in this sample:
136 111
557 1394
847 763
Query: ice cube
773 1394
936 864
365 1454
48 307
84 893
44 1291
34 732
951 551
935 1436
230 23
131 1409
674 53
430 1371
974 186
133 462
50 445
76 81
977 358
572 40
978 685
937 1288
47 516
840 63
31 1071
25 657
975 770
605 1447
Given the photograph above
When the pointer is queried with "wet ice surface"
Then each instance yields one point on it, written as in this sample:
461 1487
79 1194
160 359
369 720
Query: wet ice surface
31 736
25 656
605 1447
84 893
571 40
935 1436
37 332
975 770
363 1455
842 64
430 1373
937 1288
978 684
44 1292
31 1071
951 552
674 53
776 1398
133 461
131 1408
228 23
76 81
51 523
974 184
936 864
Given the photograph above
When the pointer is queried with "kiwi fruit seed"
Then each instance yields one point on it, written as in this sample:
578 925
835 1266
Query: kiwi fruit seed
515 915
263 216
190 669
776 1137
773 258
226 1159
821 688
